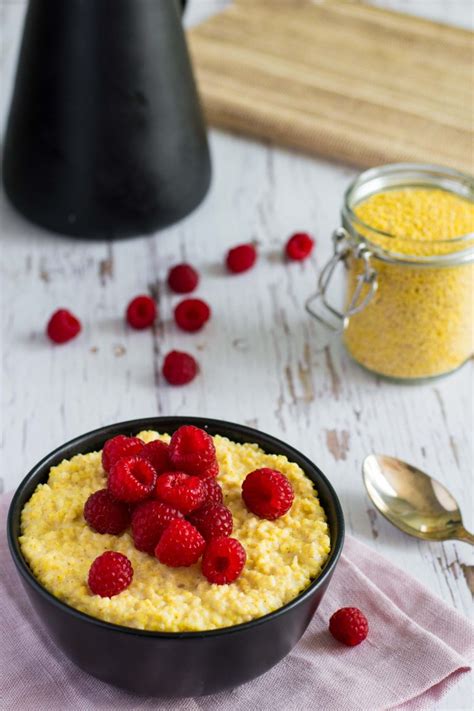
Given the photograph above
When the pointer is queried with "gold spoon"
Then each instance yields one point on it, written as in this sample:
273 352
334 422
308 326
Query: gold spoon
413 501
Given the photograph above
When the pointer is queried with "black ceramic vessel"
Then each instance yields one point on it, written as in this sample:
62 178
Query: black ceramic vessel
176 664
105 136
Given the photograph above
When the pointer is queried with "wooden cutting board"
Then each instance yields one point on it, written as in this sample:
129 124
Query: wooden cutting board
340 79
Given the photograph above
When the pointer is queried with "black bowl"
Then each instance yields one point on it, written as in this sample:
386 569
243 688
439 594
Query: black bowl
175 664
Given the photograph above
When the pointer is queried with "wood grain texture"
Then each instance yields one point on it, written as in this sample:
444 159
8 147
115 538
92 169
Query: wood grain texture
264 362
340 79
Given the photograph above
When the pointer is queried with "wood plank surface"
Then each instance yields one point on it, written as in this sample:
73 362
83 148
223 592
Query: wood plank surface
340 79
263 360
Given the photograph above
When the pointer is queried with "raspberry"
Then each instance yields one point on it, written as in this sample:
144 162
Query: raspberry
349 625
149 520
180 544
63 326
213 491
223 560
267 493
110 574
213 521
105 515
211 472
156 453
299 246
186 493
179 368
118 447
192 450
131 479
141 312
241 258
183 278
191 314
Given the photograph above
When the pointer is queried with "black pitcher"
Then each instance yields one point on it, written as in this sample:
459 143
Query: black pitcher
105 136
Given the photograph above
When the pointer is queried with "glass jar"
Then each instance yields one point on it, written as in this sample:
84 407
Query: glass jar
409 306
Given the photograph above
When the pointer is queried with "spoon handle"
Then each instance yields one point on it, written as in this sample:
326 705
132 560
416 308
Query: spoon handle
463 535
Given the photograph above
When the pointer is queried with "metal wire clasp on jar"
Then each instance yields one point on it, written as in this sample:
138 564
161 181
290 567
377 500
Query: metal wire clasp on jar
358 301
407 242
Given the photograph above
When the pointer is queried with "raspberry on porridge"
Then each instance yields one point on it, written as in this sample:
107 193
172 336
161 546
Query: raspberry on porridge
237 557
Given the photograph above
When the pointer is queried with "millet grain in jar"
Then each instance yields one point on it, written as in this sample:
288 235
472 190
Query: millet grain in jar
419 322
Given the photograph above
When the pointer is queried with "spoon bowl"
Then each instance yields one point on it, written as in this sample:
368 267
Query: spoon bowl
412 501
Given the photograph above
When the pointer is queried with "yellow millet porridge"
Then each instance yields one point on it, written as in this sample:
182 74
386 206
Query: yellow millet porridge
283 556
420 321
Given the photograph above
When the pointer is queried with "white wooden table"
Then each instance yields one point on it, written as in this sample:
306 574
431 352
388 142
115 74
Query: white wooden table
261 356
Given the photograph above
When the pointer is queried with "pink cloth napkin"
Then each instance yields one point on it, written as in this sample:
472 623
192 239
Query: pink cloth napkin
417 648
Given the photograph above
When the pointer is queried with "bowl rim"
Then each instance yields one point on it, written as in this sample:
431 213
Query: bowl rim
177 421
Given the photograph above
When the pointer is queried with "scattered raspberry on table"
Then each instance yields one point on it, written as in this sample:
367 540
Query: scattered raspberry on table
141 312
191 314
241 258
63 326
267 493
223 560
183 278
299 246
110 574
131 479
179 368
106 515
349 625
180 544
